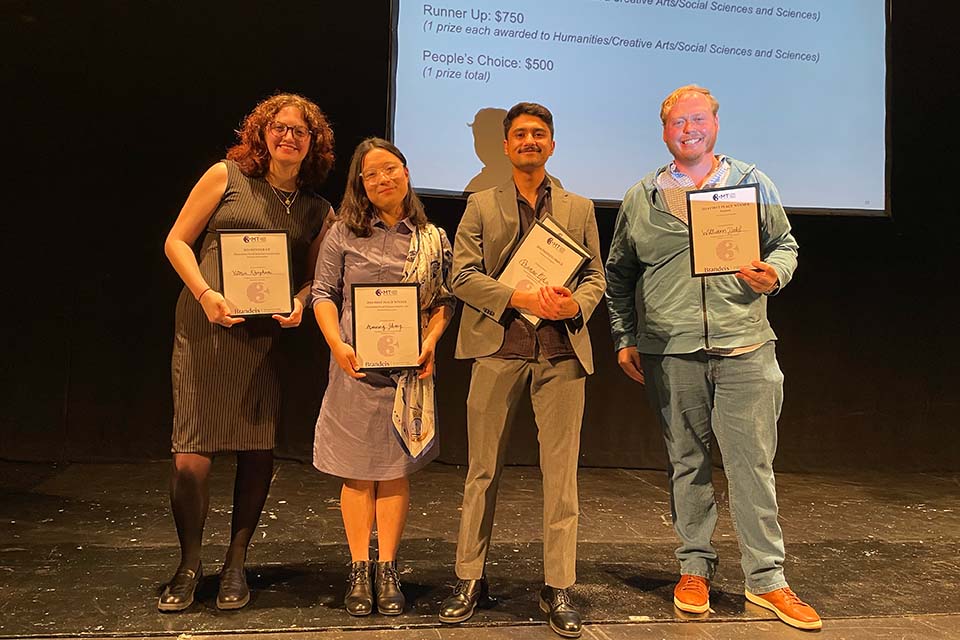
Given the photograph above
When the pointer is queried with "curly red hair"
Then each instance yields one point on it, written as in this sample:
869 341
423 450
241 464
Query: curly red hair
251 153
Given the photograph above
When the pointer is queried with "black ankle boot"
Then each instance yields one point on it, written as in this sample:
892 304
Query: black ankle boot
563 616
359 598
467 594
390 600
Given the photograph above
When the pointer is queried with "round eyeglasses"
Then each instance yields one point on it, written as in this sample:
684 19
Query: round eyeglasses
280 130
390 172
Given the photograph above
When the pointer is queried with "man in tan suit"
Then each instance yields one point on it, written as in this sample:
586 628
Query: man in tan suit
510 356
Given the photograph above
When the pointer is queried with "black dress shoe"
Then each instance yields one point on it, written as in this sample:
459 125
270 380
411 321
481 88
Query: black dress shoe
564 619
390 600
234 593
178 593
359 598
460 604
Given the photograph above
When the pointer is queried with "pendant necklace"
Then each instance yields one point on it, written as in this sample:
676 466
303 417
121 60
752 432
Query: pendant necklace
285 199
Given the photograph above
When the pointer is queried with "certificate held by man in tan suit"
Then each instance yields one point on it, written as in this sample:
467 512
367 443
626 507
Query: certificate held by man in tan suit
512 357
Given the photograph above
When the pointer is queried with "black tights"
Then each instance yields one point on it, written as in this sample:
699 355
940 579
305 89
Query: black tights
190 500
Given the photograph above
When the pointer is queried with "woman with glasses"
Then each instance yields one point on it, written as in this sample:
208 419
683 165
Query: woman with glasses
381 236
226 388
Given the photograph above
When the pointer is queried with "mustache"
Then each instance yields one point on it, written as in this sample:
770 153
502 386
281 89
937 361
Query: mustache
530 147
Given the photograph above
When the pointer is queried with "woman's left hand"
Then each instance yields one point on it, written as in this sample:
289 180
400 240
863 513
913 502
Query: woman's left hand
425 361
292 320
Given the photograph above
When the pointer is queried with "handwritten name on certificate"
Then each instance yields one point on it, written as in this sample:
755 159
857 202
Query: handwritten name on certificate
542 259
386 325
724 227
255 272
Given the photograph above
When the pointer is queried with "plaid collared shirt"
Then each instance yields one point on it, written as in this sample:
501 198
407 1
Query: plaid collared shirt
675 184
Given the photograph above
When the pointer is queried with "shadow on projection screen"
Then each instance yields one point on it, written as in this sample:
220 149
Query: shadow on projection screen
801 85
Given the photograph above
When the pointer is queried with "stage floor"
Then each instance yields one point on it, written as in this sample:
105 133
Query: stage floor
85 549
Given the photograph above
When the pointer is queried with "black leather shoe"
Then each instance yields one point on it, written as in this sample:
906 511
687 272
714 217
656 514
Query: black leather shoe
564 619
178 593
390 600
359 598
460 604
234 592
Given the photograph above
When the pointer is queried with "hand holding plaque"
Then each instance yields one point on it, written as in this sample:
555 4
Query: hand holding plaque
386 325
255 272
546 256
724 227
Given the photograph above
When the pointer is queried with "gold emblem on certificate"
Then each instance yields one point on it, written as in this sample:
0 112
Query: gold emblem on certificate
724 226
546 256
386 325
255 272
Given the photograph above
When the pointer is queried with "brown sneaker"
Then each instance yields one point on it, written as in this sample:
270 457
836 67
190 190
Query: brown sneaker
788 606
692 594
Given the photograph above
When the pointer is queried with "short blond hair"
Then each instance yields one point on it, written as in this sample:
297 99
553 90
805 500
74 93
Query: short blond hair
686 90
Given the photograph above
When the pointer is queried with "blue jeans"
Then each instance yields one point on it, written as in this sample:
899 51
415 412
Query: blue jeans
738 399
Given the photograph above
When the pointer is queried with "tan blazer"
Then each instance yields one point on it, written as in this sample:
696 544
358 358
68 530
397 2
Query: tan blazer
488 231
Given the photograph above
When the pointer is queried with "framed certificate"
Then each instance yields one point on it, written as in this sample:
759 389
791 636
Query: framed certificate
255 271
724 227
543 258
554 225
386 325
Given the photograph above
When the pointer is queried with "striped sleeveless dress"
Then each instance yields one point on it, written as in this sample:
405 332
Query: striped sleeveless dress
226 389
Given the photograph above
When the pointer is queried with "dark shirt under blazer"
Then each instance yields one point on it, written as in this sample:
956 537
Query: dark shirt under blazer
487 234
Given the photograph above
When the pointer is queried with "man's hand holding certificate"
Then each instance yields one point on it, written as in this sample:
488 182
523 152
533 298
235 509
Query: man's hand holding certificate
544 262
724 229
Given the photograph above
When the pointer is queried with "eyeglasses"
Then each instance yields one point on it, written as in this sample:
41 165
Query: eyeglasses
280 130
391 171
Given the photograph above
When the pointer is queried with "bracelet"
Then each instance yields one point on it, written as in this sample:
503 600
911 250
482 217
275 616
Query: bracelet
203 292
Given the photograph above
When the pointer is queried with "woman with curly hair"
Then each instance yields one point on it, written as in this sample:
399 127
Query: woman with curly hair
381 236
226 391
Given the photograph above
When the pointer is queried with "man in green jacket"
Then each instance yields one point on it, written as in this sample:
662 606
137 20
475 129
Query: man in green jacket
706 352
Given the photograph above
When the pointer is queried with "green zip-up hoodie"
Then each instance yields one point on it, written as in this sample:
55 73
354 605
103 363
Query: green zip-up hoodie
654 302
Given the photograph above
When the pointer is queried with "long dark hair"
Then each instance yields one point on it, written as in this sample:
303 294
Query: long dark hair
356 210
251 153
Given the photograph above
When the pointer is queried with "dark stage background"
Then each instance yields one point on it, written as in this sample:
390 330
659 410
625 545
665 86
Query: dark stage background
114 110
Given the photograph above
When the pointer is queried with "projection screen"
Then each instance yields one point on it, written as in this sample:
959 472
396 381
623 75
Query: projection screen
801 85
